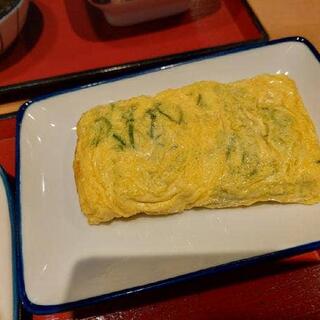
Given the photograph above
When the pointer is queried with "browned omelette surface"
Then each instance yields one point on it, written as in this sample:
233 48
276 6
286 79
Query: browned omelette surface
203 145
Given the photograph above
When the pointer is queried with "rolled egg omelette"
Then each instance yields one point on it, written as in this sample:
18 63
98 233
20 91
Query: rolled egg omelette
206 144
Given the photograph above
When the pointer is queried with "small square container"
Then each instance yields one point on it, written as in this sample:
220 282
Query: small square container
130 12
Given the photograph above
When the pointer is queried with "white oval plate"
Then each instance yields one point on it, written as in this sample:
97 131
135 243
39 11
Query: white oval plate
67 262
8 295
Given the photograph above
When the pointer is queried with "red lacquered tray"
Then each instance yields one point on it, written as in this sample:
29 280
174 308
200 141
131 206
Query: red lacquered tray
287 289
65 37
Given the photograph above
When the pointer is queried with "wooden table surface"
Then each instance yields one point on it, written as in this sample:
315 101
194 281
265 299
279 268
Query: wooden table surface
283 18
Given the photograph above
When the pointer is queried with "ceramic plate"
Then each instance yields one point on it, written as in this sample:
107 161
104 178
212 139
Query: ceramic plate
8 297
66 262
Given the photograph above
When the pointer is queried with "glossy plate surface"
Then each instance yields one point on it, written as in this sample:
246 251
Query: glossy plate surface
66 260
8 300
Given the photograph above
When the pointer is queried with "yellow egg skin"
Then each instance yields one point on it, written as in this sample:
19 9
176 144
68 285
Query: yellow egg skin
203 145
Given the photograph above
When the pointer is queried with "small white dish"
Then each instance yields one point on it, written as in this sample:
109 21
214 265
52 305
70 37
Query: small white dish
8 294
11 22
66 263
126 13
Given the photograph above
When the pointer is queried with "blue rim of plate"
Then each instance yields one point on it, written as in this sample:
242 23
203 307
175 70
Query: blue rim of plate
10 201
49 309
